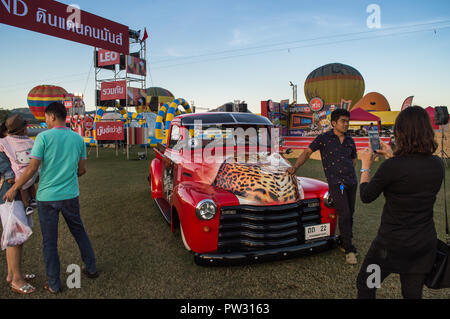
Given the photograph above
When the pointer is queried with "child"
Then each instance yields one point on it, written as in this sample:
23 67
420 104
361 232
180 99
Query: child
17 146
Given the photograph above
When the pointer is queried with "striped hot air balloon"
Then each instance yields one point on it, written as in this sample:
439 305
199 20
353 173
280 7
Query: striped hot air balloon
43 95
333 83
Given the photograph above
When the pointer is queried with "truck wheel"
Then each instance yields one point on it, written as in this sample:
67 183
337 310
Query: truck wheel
184 239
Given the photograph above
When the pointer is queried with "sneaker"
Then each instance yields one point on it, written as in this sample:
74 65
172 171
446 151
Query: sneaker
29 210
350 259
33 203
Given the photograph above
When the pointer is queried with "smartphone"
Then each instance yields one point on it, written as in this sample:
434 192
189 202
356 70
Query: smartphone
374 139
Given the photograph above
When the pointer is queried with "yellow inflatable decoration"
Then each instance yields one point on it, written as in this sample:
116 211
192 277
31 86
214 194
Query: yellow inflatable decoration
166 111
172 110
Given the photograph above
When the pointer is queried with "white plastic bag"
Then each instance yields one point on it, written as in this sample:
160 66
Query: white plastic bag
15 229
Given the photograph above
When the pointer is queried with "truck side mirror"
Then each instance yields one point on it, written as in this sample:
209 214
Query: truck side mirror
160 147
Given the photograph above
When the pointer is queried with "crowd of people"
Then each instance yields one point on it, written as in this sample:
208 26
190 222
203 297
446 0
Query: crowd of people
410 178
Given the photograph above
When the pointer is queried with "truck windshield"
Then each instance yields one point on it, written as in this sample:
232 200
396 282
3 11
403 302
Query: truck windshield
229 136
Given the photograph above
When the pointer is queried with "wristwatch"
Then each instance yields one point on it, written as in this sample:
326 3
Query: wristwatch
364 170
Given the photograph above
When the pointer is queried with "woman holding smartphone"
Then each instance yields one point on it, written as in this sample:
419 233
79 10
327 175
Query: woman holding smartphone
410 179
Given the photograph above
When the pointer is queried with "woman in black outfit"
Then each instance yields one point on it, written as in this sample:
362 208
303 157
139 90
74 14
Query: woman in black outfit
410 178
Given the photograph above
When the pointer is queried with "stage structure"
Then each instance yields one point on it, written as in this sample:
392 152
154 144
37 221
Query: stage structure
120 83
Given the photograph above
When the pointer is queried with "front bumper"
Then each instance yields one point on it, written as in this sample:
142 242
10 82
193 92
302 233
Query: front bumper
247 257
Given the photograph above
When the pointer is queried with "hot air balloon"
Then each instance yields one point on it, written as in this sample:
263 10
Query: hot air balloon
333 83
43 95
157 96
373 101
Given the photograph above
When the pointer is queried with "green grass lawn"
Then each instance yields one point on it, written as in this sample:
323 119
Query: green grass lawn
139 257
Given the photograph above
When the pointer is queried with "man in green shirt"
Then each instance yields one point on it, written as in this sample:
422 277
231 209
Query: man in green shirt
61 153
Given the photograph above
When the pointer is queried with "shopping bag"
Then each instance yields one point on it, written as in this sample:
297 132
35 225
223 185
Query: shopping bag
15 230
439 277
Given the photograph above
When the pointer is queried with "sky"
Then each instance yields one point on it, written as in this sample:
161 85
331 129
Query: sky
212 52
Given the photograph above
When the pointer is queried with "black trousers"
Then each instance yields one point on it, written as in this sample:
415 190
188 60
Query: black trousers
412 284
345 207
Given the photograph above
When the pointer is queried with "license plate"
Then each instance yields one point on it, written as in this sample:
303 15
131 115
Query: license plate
317 231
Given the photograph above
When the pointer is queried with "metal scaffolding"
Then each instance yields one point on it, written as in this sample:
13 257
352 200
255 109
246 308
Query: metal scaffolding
120 73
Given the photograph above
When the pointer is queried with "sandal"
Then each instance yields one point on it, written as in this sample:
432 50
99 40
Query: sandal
50 290
24 290
26 277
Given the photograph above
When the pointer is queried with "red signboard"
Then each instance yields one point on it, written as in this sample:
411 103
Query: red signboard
65 21
316 104
106 57
113 90
109 131
68 104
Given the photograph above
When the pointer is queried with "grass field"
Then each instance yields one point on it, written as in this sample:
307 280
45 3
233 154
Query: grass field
139 257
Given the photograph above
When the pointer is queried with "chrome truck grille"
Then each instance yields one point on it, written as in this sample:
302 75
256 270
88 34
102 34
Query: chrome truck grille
247 228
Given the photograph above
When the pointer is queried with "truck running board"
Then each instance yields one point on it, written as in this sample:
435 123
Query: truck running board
164 207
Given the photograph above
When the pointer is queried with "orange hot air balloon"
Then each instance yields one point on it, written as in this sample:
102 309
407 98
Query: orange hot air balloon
43 95
373 101
333 83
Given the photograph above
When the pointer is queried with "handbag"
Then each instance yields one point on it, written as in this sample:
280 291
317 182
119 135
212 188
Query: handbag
439 277
16 230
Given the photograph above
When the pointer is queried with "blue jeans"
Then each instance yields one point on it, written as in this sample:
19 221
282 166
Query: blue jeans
49 218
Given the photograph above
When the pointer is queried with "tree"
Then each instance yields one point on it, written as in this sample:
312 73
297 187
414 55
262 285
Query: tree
4 114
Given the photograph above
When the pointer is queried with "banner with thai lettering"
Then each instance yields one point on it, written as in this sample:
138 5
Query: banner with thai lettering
136 66
66 22
113 90
109 131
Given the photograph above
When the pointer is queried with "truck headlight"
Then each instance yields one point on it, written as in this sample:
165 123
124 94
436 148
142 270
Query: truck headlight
206 209
327 200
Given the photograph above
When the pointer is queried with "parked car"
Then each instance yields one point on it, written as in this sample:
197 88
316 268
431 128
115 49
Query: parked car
222 181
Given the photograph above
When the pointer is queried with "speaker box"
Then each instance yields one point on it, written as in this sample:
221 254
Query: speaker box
229 107
243 107
440 115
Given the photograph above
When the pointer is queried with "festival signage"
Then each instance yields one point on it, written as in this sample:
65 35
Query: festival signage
136 97
68 104
88 123
316 104
109 131
301 108
136 66
113 90
407 102
106 57
65 21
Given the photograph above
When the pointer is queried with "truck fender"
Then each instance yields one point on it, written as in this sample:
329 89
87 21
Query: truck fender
186 195
155 179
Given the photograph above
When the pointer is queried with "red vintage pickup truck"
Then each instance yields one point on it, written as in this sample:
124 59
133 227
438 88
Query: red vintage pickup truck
222 181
